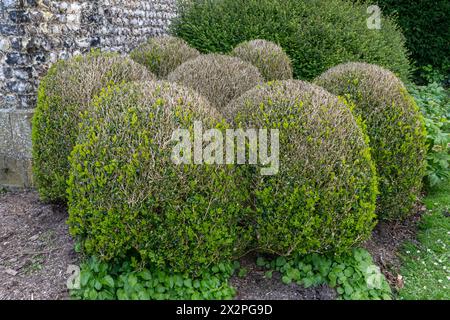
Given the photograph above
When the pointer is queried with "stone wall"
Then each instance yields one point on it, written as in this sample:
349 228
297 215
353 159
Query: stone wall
36 33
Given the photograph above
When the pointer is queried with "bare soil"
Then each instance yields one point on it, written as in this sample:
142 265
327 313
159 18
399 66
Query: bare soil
386 242
36 251
255 286
35 248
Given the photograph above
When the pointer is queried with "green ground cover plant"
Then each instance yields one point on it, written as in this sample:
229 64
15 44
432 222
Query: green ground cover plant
125 281
353 275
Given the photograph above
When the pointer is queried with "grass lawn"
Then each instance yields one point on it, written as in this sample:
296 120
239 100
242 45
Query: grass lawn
426 264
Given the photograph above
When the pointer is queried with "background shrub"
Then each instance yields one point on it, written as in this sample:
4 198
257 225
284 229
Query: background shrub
162 55
323 198
426 26
316 35
127 197
268 57
66 91
219 78
395 127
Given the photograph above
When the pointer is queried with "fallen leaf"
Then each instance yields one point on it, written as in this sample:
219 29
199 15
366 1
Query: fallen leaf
400 282
11 272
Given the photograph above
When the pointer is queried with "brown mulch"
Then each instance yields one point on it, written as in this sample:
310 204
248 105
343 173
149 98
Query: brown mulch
387 239
36 251
255 286
35 248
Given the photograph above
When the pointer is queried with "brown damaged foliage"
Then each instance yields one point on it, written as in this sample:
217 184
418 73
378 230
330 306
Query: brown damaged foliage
126 195
268 57
323 198
395 127
162 55
64 93
219 78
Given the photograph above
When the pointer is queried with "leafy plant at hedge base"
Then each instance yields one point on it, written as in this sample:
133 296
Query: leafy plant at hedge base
107 281
434 102
354 275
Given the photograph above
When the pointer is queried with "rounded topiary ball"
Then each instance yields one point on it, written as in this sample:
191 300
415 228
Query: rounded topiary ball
395 127
219 78
323 197
64 93
127 195
162 55
268 57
